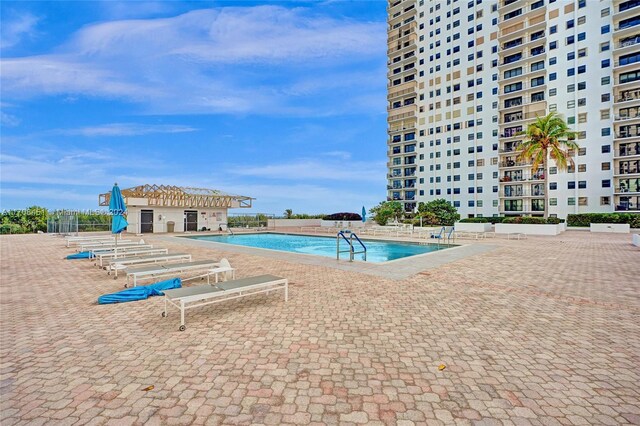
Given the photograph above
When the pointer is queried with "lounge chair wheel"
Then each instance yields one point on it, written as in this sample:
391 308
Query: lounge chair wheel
164 314
182 328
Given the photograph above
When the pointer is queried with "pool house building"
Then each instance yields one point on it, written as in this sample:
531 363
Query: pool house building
168 208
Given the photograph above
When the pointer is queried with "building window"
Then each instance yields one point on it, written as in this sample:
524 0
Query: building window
604 29
571 184
582 167
571 201
606 131
605 166
605 114
553 201
582 184
606 183
605 201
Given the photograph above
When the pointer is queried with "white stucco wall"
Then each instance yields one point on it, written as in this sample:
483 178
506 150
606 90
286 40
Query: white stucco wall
208 218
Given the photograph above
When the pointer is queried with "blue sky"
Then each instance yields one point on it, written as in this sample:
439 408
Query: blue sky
281 101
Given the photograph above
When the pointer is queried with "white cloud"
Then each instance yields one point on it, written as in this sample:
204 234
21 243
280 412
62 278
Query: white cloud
58 195
9 120
16 28
308 169
125 129
264 60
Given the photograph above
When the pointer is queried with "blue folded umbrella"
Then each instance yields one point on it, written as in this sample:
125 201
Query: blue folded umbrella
141 292
81 255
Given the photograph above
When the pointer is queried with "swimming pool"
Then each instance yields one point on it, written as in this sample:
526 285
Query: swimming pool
377 251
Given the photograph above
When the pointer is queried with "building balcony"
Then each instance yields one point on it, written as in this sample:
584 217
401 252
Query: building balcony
626 114
520 27
521 178
513 163
622 66
404 127
627 150
627 203
401 47
525 90
401 15
515 118
510 135
626 9
627 173
624 29
509 150
521 194
627 191
522 210
524 101
397 116
627 42
508 6
624 136
627 96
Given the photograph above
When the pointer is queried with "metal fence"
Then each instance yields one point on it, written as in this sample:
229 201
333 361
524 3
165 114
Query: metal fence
68 225
244 220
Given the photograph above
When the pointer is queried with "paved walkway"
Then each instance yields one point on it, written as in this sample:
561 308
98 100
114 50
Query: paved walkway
538 331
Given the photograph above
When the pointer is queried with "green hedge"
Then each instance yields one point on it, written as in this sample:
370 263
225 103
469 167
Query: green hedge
584 219
530 220
474 220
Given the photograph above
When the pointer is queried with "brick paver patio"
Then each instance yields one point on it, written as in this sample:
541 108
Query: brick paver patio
538 331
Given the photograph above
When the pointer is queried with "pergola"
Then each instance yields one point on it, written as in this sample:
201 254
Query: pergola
179 196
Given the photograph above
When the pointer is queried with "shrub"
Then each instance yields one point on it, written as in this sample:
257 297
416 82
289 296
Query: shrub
343 216
443 210
526 220
554 220
385 211
13 228
474 220
532 220
584 219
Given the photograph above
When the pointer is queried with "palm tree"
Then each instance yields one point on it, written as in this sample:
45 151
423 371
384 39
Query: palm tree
288 214
548 137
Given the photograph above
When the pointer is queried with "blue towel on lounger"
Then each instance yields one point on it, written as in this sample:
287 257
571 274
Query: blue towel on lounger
140 292
81 255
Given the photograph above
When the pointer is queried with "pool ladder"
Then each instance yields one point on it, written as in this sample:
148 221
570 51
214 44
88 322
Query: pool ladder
352 252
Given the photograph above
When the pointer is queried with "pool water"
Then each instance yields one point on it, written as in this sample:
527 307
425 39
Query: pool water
377 251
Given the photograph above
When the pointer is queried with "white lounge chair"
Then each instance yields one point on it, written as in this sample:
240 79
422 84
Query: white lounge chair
103 246
163 270
129 261
144 250
224 267
78 240
192 297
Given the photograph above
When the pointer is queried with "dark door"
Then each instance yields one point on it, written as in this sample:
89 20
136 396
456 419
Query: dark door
190 220
146 221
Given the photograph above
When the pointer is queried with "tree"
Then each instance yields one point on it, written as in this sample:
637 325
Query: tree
288 214
441 210
548 137
385 211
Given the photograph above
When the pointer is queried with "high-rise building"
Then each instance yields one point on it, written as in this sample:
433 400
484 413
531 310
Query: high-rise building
467 77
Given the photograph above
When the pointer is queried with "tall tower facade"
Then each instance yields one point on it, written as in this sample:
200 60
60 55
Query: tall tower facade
465 78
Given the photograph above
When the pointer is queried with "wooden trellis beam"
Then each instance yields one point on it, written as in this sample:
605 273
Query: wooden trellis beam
176 196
